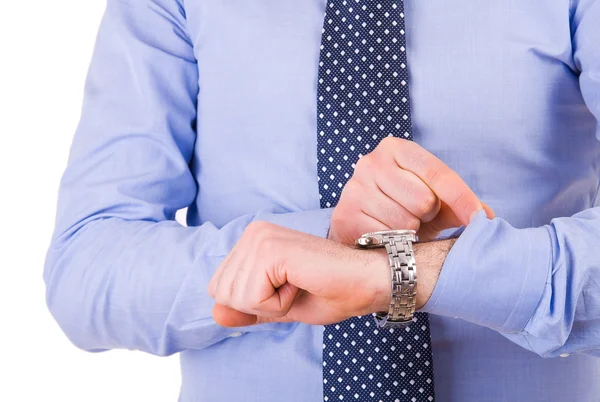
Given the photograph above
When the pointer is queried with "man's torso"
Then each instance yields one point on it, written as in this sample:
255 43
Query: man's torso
494 94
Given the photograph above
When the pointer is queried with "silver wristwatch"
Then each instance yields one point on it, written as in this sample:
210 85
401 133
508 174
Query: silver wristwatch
398 244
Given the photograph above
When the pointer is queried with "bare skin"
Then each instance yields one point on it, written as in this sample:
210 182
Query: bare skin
402 186
277 274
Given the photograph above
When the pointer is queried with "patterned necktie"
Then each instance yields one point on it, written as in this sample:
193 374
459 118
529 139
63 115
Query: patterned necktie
362 98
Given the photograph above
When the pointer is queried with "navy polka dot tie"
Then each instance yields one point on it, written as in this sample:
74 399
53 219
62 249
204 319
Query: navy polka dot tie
363 97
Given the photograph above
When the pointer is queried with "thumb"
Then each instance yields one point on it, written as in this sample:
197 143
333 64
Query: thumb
228 317
270 310
279 303
446 219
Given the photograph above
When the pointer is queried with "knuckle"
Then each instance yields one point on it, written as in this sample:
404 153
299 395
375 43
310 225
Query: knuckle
415 160
338 218
404 220
233 293
352 197
414 157
258 227
254 230
336 215
413 223
464 204
435 226
351 189
431 175
460 201
387 210
254 303
339 227
388 143
426 205
364 164
260 233
222 296
404 146
270 307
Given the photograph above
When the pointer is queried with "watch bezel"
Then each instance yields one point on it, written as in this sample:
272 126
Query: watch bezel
374 239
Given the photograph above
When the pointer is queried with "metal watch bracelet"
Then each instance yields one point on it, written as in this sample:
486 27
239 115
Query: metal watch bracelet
398 244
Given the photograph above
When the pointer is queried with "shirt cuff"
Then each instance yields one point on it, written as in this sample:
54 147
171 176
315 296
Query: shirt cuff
494 275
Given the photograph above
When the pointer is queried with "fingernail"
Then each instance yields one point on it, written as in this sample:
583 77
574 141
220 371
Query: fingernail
474 215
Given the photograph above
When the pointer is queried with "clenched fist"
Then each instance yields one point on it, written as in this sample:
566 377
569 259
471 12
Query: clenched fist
400 185
278 274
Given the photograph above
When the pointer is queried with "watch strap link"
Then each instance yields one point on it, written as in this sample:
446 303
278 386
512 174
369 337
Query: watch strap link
404 281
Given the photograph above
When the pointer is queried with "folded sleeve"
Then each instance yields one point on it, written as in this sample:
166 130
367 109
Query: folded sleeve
539 287
120 272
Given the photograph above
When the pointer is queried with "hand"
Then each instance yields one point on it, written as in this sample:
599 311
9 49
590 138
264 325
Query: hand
277 274
400 185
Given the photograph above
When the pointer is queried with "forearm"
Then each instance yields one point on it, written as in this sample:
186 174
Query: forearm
142 285
536 286
429 258
567 317
131 284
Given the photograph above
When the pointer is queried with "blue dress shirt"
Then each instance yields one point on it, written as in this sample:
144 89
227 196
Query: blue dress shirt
211 105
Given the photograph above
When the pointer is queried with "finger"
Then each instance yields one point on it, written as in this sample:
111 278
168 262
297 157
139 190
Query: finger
228 317
246 288
489 211
445 183
313 310
352 228
382 208
264 320
308 309
408 190
279 303
227 286
214 281
286 318
445 219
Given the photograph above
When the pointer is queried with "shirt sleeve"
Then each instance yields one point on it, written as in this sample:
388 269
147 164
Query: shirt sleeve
120 272
539 287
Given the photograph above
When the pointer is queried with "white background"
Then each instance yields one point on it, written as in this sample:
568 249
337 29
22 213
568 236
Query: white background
45 49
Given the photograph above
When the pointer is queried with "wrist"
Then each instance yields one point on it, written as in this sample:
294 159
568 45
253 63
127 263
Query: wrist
377 274
429 258
382 277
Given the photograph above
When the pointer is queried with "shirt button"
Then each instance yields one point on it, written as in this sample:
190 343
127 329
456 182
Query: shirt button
564 355
235 334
